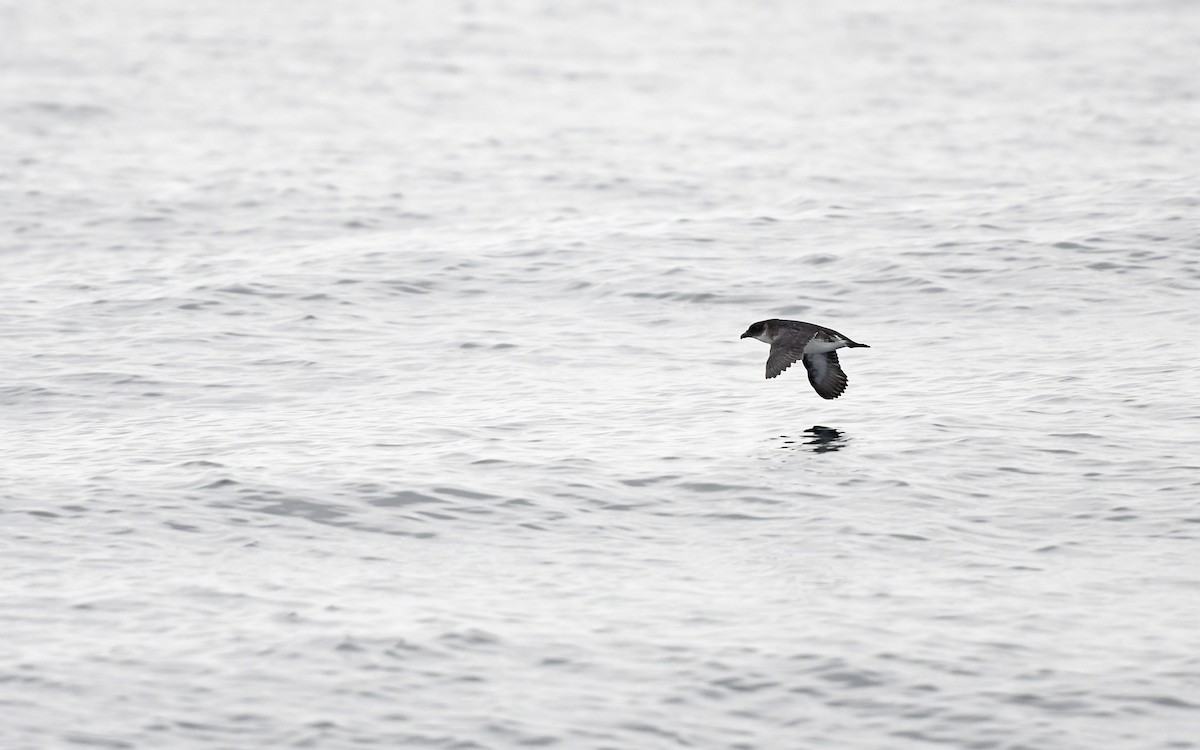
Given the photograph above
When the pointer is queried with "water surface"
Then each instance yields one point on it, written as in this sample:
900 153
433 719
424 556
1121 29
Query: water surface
371 375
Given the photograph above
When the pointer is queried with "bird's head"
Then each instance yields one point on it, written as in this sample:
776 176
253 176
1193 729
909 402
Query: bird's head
756 331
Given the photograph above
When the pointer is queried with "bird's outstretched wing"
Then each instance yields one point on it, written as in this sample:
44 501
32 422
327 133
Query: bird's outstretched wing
786 349
825 374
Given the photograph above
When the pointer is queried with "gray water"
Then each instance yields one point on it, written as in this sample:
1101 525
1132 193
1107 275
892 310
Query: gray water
371 374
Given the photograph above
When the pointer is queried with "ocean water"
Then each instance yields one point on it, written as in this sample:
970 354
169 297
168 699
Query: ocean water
371 375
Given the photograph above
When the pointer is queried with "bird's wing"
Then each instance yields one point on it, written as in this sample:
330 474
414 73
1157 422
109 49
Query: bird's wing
786 349
825 374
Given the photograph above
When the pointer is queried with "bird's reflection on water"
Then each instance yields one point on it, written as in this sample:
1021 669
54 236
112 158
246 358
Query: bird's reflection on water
818 439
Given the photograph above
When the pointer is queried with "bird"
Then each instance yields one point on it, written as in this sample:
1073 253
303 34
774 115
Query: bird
815 345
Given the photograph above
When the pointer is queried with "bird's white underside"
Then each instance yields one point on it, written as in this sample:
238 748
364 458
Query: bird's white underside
814 346
817 346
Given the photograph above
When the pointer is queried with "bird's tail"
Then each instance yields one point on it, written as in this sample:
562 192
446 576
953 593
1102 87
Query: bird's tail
855 344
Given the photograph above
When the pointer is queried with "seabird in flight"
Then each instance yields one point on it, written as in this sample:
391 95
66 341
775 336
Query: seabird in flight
816 346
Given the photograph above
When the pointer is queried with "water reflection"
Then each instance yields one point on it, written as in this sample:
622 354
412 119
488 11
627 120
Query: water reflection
818 439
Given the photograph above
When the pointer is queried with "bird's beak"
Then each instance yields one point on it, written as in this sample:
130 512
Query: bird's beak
744 335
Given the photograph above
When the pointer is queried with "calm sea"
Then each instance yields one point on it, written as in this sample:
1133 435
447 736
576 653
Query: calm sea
371 377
